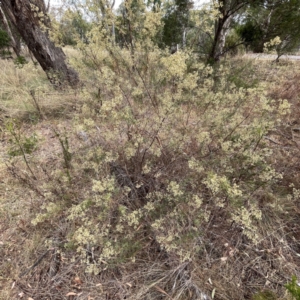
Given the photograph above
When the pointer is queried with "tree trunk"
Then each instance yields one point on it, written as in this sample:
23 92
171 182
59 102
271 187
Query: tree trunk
227 9
221 30
30 19
14 41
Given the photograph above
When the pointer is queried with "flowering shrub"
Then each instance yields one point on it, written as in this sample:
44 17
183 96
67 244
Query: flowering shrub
156 177
174 142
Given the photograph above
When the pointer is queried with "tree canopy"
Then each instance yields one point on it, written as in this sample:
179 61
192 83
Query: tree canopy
264 22
177 25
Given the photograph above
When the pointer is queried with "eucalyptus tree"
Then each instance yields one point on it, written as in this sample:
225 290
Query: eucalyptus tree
176 22
13 38
263 22
225 11
32 22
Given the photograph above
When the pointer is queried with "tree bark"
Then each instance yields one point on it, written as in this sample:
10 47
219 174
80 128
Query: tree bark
221 30
30 19
227 9
14 41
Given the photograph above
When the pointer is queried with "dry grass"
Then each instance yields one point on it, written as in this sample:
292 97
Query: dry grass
228 264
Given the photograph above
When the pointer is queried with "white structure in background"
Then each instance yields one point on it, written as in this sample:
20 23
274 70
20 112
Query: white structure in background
55 3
